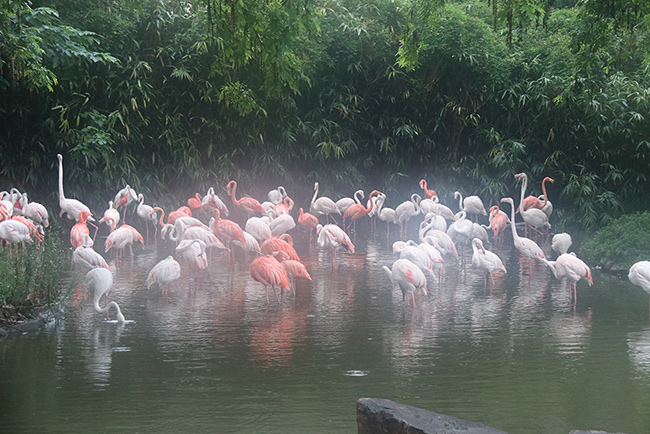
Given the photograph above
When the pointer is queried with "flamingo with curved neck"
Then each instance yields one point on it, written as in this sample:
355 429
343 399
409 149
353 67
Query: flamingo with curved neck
71 207
527 247
246 204
99 281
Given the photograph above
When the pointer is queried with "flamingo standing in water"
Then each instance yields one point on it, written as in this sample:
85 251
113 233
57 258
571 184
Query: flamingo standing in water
639 275
346 202
527 247
99 281
227 230
71 207
534 217
307 220
405 211
247 204
123 198
163 273
323 205
498 222
356 211
471 205
86 256
121 237
486 260
212 200
408 277
146 213
284 243
385 214
269 272
570 266
111 216
332 238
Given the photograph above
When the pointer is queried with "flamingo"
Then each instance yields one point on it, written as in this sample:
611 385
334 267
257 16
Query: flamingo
277 196
280 244
428 194
442 210
443 242
284 207
307 220
416 255
146 213
639 275
534 217
471 204
282 224
461 230
121 237
123 198
486 260
163 273
498 221
70 207
193 251
346 202
246 204
333 237
294 270
111 216
535 202
561 242
408 277
34 211
99 281
79 229
405 211
527 247
195 203
227 230
356 211
269 272
258 228
86 256
251 246
570 266
14 232
212 200
323 205
385 214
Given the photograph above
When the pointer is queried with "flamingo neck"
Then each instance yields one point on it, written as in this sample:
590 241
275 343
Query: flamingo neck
524 184
515 235
313 199
61 195
544 192
460 201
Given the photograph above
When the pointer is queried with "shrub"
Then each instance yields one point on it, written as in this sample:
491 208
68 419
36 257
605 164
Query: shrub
621 243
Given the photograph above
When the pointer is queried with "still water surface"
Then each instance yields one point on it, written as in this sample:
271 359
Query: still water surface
215 357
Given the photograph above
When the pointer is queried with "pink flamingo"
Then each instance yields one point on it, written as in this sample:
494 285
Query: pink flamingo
428 194
246 204
269 272
79 229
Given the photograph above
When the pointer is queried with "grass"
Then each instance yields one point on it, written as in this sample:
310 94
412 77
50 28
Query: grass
31 278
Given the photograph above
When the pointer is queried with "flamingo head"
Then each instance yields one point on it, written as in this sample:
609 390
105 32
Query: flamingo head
521 175
549 179
423 184
83 216
230 185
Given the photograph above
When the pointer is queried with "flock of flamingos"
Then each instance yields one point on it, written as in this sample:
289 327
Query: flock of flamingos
202 226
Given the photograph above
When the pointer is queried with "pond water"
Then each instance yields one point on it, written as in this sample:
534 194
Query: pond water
214 356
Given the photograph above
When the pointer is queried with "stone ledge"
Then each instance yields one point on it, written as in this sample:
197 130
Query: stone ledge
382 416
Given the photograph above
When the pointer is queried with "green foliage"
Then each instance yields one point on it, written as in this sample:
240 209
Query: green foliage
32 275
621 243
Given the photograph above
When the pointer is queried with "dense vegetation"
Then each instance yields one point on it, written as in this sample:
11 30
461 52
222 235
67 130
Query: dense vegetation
178 96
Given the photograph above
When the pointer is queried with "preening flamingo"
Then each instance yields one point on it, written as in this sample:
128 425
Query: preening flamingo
247 204
79 229
486 260
86 256
121 237
111 216
193 251
282 224
212 200
332 237
307 220
498 222
269 272
277 196
99 281
163 273
259 228
570 266
408 277
195 203
273 245
34 211
70 207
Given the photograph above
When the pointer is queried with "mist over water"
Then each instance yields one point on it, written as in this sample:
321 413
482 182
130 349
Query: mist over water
214 356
